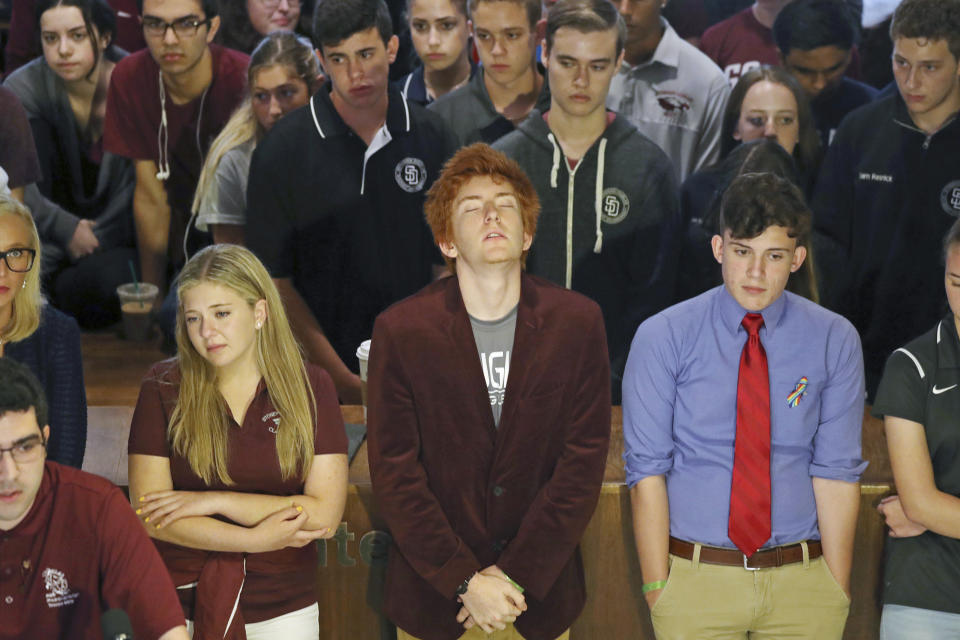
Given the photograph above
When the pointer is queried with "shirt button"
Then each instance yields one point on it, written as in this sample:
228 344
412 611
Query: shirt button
8 599
498 491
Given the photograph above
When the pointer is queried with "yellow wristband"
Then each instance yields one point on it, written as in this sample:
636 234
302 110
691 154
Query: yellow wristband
515 585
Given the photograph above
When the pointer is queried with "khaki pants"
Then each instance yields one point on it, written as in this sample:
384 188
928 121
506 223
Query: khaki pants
713 602
476 633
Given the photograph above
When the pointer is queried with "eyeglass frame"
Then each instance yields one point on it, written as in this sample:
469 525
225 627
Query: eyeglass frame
42 442
33 258
197 23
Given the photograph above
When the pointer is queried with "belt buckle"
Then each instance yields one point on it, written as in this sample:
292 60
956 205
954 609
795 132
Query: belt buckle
748 568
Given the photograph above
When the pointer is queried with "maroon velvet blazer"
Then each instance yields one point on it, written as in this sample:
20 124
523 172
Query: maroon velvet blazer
460 494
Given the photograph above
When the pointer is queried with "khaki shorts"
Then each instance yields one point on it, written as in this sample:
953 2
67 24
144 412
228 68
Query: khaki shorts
476 633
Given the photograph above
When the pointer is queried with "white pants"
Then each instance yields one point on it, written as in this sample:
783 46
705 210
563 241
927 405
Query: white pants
302 624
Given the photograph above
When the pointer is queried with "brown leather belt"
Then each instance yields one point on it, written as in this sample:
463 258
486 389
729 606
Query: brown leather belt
765 559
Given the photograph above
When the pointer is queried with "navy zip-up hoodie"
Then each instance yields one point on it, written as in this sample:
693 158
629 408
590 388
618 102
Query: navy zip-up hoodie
608 228
887 194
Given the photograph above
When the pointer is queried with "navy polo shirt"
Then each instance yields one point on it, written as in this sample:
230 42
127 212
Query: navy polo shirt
342 220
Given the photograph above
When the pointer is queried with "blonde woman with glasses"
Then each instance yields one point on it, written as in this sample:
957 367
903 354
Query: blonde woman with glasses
238 456
33 333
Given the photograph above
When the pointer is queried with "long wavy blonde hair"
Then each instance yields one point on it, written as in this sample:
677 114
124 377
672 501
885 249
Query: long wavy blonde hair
199 423
283 48
28 302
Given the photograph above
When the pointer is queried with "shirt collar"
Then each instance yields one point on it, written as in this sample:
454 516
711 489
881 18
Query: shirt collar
667 52
327 121
948 343
732 313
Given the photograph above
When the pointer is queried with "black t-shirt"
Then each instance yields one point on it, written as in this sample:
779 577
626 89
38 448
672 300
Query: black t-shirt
921 383
344 224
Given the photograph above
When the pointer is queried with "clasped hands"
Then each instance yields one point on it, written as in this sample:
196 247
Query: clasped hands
283 528
491 601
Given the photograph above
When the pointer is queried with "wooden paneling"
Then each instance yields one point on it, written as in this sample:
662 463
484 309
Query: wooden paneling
351 572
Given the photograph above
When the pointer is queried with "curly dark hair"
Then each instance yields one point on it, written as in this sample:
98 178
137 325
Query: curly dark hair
755 201
929 20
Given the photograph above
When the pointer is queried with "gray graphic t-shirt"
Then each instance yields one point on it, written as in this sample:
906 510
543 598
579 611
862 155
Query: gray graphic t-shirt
495 343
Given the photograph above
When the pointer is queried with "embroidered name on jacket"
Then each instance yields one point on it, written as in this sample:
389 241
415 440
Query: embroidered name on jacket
866 176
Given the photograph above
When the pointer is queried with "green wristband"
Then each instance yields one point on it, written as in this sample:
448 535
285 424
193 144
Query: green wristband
653 586
515 585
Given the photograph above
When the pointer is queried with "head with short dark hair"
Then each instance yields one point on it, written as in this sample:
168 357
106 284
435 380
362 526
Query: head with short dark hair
928 20
586 16
336 20
756 201
811 24
476 161
534 8
807 149
210 8
98 19
21 391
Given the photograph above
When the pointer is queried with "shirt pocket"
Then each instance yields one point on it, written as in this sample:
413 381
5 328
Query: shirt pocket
794 418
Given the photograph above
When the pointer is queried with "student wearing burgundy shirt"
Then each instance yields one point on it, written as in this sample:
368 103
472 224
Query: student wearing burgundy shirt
165 105
238 456
47 513
742 411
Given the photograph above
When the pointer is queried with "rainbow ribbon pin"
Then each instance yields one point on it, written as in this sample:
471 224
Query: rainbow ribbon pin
794 398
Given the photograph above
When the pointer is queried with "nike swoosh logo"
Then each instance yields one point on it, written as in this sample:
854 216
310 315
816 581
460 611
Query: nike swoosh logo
937 392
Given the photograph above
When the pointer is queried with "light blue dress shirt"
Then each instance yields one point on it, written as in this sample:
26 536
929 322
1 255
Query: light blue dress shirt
679 410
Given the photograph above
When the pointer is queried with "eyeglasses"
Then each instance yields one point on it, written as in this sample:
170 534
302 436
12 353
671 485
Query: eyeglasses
184 27
271 5
19 260
26 451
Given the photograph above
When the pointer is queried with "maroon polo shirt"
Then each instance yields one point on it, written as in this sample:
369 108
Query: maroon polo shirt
79 552
132 123
277 582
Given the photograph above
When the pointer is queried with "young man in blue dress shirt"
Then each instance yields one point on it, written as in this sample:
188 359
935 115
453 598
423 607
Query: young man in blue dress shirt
724 434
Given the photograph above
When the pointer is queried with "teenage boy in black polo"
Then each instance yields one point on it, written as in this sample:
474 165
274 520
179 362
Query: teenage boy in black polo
335 197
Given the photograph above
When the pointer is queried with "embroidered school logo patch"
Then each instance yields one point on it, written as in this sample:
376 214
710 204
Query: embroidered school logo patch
274 418
58 590
799 391
950 198
673 104
410 174
615 205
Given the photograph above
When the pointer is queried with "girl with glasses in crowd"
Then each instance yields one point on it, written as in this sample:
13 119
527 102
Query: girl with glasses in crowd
33 333
283 73
84 203
238 456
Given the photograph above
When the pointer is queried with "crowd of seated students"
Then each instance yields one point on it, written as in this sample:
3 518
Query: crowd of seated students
135 134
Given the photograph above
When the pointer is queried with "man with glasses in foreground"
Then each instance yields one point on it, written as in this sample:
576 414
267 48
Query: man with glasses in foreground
70 546
165 105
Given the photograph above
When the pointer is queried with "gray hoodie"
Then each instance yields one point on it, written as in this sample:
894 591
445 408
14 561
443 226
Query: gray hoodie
608 228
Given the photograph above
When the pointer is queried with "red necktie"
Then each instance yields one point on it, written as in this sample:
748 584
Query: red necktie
749 525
